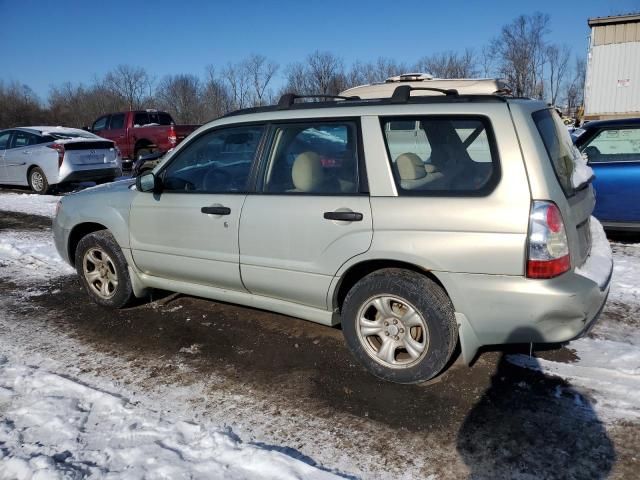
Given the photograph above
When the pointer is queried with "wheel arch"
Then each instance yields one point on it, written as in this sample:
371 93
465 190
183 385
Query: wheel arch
142 143
78 232
359 270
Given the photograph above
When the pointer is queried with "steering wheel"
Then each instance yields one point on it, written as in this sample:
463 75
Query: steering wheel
214 178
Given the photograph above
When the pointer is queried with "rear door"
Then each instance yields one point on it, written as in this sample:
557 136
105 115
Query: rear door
312 213
614 155
116 130
189 232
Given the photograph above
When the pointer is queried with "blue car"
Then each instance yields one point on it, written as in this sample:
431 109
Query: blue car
613 151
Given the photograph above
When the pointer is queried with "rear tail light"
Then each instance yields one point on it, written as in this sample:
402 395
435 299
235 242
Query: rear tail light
548 254
173 139
60 149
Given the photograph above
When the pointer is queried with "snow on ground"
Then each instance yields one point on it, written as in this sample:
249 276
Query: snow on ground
54 427
609 358
44 205
29 255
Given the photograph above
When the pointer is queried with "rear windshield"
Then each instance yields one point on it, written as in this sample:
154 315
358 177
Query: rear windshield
142 119
560 148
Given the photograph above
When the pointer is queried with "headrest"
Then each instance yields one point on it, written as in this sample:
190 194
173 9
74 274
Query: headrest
307 172
410 166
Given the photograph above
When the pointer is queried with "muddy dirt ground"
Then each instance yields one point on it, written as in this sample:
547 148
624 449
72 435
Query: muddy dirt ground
290 382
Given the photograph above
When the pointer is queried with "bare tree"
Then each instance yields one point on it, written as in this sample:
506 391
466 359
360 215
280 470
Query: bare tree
321 73
371 72
260 72
520 53
181 96
131 83
19 106
487 61
574 95
558 60
215 97
238 84
449 64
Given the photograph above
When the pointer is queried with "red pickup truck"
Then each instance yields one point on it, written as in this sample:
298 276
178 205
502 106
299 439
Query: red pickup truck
141 132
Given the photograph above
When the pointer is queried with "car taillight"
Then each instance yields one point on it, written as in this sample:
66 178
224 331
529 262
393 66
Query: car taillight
548 254
173 139
60 149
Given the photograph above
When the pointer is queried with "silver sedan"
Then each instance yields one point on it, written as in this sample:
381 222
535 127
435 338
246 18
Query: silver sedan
43 157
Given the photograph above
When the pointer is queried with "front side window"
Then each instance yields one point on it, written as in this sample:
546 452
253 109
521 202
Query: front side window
4 140
442 155
218 161
614 145
319 158
117 121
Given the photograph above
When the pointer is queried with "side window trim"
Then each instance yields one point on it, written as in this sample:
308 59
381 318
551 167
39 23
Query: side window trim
269 144
254 163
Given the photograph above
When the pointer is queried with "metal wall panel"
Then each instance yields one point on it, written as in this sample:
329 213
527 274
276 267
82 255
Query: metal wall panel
616 33
613 79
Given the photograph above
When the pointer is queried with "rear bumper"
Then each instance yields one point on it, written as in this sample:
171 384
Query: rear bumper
497 309
90 175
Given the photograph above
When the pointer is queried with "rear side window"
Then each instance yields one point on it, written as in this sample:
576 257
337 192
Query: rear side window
442 155
559 146
117 121
317 159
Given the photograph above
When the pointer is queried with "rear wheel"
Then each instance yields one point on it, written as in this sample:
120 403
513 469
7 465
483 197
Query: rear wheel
38 181
103 270
400 325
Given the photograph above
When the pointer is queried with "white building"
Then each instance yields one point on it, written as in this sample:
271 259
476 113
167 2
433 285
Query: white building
612 87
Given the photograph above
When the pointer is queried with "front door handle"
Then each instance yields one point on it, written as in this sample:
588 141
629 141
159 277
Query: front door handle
343 216
216 210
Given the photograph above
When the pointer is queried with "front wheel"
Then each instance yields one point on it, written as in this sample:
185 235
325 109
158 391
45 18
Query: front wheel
103 271
400 325
38 181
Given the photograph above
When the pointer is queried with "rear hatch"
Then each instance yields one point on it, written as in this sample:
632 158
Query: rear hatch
574 177
89 152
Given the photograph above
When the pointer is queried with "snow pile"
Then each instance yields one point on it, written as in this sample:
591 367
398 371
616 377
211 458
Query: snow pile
28 255
598 265
44 205
55 427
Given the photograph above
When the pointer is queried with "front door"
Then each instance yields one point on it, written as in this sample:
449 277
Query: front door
311 216
614 156
4 144
19 156
189 231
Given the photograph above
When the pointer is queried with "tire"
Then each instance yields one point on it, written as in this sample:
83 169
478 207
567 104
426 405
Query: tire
407 313
102 270
38 181
142 152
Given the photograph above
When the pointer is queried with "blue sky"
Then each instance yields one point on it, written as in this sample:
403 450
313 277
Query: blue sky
46 43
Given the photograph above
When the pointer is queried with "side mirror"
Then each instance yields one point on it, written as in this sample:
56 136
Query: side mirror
147 182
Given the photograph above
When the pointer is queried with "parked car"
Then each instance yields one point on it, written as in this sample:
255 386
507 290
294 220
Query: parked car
139 133
613 151
478 233
146 163
46 157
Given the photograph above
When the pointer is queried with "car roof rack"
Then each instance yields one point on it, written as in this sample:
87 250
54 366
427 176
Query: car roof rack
402 93
288 99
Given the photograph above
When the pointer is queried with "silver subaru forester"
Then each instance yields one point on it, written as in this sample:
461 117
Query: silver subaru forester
420 214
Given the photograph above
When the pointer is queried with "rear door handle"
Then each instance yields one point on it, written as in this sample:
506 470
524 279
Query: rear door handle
344 216
216 210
